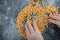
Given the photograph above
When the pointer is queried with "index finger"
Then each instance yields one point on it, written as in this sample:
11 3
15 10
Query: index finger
55 17
35 27
30 28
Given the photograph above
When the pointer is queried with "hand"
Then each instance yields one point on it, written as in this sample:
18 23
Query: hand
55 19
32 32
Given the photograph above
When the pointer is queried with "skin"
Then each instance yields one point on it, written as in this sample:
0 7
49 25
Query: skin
33 33
55 19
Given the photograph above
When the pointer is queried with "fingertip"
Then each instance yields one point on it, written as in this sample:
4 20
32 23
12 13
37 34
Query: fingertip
50 15
50 20
34 24
27 23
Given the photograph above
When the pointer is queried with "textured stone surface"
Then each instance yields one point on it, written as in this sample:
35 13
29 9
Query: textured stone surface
8 13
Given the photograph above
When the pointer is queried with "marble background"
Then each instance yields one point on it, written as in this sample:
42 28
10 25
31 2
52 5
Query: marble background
8 13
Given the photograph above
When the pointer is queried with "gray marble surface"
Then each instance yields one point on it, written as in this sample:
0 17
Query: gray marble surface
8 13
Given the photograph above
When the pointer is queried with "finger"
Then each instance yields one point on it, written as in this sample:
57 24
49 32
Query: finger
36 28
27 32
30 28
55 17
54 21
28 38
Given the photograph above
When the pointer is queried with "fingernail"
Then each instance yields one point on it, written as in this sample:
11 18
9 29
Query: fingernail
49 15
